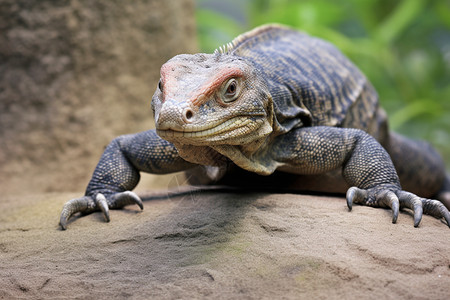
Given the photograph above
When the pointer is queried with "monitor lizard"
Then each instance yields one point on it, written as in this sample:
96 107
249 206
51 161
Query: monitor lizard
273 101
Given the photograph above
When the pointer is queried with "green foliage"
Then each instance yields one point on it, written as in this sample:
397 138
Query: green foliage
403 47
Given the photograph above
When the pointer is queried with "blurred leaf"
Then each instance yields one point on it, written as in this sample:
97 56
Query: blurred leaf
417 108
442 9
399 19
295 13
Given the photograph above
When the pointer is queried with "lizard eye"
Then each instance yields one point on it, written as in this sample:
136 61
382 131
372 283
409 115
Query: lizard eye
230 91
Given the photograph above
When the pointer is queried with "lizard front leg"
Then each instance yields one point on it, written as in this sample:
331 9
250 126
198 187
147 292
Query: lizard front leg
365 165
117 173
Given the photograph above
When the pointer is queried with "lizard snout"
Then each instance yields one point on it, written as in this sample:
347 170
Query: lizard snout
174 115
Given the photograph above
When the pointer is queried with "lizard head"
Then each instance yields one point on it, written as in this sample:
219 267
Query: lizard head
212 99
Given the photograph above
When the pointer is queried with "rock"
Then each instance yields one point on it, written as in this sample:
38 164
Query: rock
221 246
74 75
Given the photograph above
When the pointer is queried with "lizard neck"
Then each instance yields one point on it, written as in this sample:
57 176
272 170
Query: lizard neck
253 156
202 155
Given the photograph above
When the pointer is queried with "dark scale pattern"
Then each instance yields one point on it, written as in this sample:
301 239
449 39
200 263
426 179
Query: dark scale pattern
309 79
149 153
316 150
369 165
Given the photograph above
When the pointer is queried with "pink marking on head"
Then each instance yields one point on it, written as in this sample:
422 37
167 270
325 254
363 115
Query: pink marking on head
212 85
169 82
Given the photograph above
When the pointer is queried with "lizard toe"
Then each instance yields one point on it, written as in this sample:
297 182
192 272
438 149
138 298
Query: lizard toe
436 209
103 205
413 202
355 195
120 200
389 199
83 205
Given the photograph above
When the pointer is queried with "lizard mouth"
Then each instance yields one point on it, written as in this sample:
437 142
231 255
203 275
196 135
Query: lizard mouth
236 126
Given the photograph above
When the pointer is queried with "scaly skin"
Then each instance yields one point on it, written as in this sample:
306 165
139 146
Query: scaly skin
273 100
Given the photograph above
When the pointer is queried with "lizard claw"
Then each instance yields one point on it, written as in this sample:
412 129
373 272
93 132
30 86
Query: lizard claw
436 209
101 203
413 202
396 199
84 205
126 198
389 199
355 195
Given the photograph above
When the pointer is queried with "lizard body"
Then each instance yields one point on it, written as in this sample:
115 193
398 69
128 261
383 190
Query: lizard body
273 100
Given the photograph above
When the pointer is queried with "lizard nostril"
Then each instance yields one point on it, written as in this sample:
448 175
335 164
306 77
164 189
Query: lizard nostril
188 114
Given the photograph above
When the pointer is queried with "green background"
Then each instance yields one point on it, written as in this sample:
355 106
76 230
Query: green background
403 47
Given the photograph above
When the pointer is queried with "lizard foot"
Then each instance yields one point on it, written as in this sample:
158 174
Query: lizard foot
88 204
396 199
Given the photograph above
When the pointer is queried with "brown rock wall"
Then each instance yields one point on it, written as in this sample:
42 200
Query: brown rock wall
75 74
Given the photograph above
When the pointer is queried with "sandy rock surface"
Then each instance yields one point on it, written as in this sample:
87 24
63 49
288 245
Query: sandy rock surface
221 246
